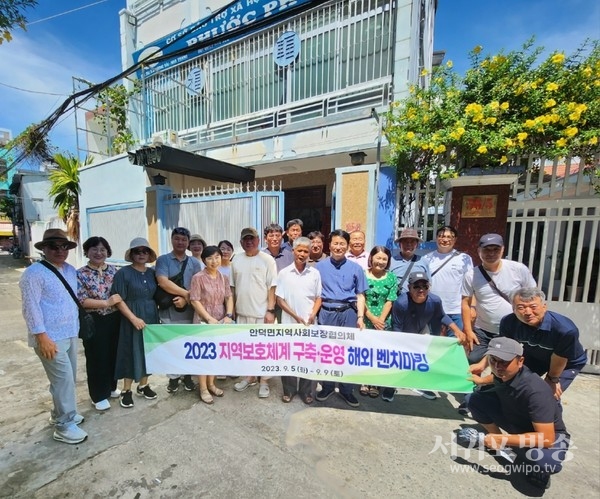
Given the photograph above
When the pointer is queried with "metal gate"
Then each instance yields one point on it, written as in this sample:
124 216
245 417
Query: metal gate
221 212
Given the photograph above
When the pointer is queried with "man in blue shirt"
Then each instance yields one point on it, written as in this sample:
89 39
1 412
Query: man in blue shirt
550 341
407 261
343 301
413 311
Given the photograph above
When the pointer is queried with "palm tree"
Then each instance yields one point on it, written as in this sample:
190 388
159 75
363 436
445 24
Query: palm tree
65 190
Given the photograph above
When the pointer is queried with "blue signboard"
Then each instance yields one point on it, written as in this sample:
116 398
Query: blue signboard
230 19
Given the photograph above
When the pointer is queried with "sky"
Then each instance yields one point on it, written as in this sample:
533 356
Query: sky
85 43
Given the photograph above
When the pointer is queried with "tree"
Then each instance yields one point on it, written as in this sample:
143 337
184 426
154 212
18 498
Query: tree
504 106
65 190
12 16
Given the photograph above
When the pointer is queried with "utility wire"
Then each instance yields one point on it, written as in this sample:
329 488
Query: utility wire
67 12
30 91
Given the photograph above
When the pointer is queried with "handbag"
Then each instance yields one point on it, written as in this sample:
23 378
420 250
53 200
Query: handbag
164 299
87 326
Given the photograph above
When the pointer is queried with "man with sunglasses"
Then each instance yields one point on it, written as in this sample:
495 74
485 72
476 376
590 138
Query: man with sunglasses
52 319
522 405
413 311
167 267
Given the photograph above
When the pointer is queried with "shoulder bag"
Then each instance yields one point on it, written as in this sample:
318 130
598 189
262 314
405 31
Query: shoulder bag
87 326
493 284
164 299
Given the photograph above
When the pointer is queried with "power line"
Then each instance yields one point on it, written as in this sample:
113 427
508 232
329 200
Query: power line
66 12
30 91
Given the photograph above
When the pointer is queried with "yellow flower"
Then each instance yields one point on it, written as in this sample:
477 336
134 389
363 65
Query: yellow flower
494 105
424 72
522 136
529 123
410 135
414 176
593 141
509 142
551 87
477 49
562 142
504 106
503 160
571 131
574 116
587 71
449 64
490 121
440 149
534 85
550 103
558 58
482 149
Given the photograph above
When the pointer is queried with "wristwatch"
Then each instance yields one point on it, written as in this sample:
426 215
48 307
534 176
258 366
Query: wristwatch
271 310
554 379
229 316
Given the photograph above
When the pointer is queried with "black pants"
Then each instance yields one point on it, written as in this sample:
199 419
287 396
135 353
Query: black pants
100 356
293 385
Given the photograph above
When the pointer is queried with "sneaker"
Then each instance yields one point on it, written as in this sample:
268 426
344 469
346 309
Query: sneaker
323 394
103 405
469 437
146 392
388 394
350 399
173 385
426 394
78 419
188 383
126 399
263 391
242 385
72 434
539 479
115 394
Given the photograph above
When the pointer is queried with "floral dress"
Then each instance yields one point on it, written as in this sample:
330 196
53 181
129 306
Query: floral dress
380 291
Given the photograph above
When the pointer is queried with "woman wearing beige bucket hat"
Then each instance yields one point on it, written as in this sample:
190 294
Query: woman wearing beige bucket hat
136 285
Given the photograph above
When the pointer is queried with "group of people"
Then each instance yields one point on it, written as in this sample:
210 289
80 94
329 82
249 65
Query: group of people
293 281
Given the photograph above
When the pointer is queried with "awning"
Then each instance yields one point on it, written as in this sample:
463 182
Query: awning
171 159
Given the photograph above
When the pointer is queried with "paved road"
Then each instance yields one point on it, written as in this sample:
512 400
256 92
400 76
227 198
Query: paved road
243 446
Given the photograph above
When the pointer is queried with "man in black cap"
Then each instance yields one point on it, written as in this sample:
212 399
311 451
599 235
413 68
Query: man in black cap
522 405
491 284
413 311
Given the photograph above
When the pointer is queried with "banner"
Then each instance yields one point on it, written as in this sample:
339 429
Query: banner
236 15
324 353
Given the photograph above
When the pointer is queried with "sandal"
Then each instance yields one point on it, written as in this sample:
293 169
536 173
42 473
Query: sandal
364 390
206 397
308 399
287 398
217 392
374 392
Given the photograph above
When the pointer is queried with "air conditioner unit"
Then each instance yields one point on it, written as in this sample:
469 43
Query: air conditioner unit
166 137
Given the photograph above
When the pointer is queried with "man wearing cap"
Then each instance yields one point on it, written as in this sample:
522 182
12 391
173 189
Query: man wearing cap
167 267
491 285
407 261
52 319
522 405
448 268
413 311
550 341
253 280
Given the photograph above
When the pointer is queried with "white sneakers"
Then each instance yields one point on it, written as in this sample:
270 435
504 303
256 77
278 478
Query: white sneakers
115 394
103 405
72 434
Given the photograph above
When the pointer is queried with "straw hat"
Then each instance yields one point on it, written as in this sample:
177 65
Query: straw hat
55 236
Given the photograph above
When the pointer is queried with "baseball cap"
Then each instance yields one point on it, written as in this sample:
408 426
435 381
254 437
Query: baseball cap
504 348
417 276
409 233
248 231
491 240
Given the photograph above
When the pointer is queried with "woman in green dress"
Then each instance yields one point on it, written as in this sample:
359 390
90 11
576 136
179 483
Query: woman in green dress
382 292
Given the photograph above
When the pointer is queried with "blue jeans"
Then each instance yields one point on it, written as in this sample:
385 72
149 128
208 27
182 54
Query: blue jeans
436 327
61 372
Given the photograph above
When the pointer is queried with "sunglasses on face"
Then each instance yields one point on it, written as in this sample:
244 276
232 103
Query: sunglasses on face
421 287
140 251
56 247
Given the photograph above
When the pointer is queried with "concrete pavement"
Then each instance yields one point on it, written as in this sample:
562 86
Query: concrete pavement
243 446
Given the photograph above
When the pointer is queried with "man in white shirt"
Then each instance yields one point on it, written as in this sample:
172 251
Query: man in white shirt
356 249
448 268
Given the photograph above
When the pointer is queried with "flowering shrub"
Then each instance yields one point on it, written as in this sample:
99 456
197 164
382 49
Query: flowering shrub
504 106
